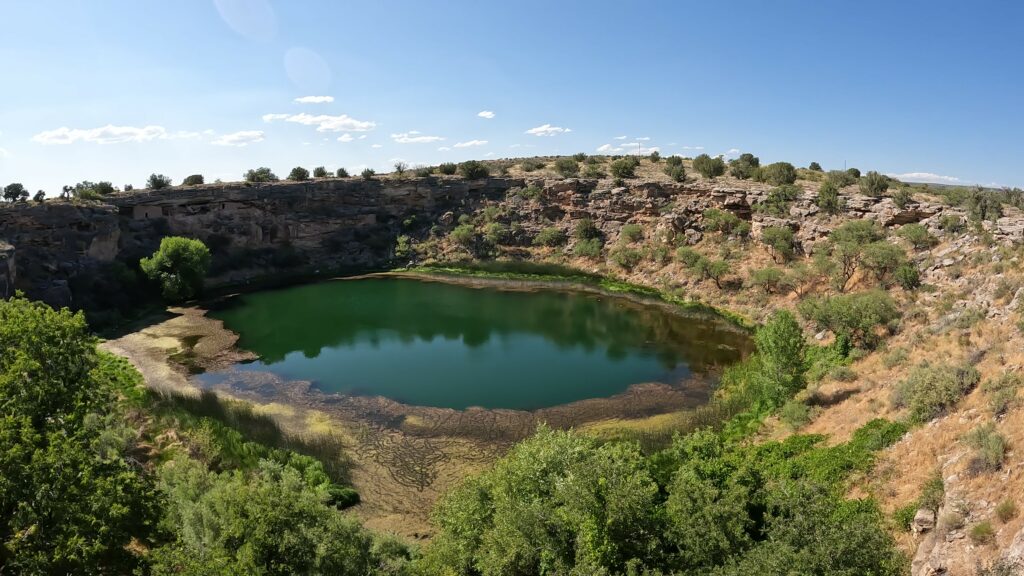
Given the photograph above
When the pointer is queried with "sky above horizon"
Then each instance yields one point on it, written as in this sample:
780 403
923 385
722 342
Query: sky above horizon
116 90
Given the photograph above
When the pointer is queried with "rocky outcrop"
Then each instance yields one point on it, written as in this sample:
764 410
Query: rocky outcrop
7 270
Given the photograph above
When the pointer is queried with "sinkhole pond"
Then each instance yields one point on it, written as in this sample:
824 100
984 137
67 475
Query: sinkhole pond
446 345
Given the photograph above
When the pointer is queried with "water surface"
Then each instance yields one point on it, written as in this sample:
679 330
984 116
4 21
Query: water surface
446 345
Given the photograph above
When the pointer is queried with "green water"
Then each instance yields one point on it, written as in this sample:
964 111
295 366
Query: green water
446 345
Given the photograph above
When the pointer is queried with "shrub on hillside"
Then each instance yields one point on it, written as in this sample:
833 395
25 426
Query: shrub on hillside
688 257
298 174
674 160
709 167
567 167
447 168
585 229
588 248
320 172
497 233
814 166
179 266
778 173
929 390
464 235
624 167
400 168
745 166
828 198
840 178
631 233
778 200
594 171
989 448
157 182
193 180
780 242
883 259
261 174
579 157
769 279
474 169
907 276
341 173
368 173
550 236
856 317
715 220
1002 392
873 184
917 235
626 257
853 173
531 165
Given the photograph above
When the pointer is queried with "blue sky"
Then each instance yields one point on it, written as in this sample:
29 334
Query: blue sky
114 90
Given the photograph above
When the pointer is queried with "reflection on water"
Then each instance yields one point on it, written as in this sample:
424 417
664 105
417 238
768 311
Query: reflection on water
436 344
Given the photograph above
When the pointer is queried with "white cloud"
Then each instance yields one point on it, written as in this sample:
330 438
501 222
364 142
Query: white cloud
486 114
489 154
470 143
414 137
730 153
239 139
315 99
325 122
346 137
443 149
627 148
644 138
110 134
925 177
547 130
620 137
693 147
4 153
376 145
522 146
608 148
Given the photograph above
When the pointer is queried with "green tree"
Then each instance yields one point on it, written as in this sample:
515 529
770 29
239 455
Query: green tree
769 279
179 266
341 173
781 350
567 167
874 184
320 172
814 166
157 182
624 167
675 171
474 169
778 173
917 235
298 174
368 173
709 167
261 174
745 166
39 196
15 192
447 168
780 242
856 317
193 180
828 198
585 229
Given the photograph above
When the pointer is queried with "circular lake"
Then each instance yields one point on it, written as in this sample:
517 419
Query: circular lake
447 345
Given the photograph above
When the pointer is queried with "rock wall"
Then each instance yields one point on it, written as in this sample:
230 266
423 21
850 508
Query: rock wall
8 272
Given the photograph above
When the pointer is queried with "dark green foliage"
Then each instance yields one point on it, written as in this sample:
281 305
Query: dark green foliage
907 276
780 242
585 229
688 257
882 259
447 168
714 270
193 180
989 448
464 235
778 173
496 233
654 157
874 184
781 350
631 233
856 317
298 174
853 173
15 192
262 174
951 223
626 257
902 196
551 236
675 171
778 200
320 172
579 157
179 266
368 173
341 173
769 279
840 178
917 235
709 167
624 167
828 198
474 169
39 196
715 220
157 182
674 161
745 167
567 167
814 166
929 390
858 232
588 248
983 205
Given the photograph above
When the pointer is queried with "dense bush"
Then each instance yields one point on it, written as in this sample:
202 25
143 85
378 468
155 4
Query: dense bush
709 167
588 248
631 233
157 182
626 257
594 171
567 167
715 220
907 276
883 259
828 198
931 389
624 167
298 174
320 172
855 317
179 266
688 257
674 160
778 173
745 166
989 448
531 165
676 172
496 233
341 173
550 236
474 169
579 157
1002 392
15 192
193 180
853 173
780 242
368 173
262 174
814 166
841 178
585 229
778 200
464 235
874 184
447 168
654 157
769 279
917 235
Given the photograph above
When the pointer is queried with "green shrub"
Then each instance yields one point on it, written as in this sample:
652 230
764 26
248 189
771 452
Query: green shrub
814 166
675 171
1002 392
902 197
917 235
780 242
447 168
624 167
853 173
840 178
464 235
655 157
319 172
179 266
688 257
778 200
714 270
474 169
904 516
1006 510
262 174
496 233
951 223
588 248
933 493
907 276
341 173
585 229
154 182
745 167
626 257
423 171
593 171
193 180
531 165
895 357
368 173
579 157
828 198
709 167
567 167
715 220
795 414
674 160
856 317
874 184
550 236
858 232
989 448
929 390
768 279
298 174
982 533
631 233
883 259
778 173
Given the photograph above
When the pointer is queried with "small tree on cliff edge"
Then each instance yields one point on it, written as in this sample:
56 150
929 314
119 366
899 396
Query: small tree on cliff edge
179 266
157 182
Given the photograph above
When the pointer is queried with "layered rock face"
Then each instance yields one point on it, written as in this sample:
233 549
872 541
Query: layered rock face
63 251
